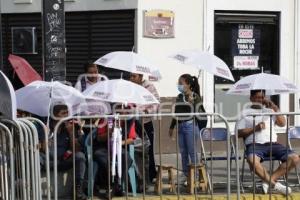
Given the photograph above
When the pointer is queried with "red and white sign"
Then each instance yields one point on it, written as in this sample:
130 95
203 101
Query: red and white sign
245 33
245 62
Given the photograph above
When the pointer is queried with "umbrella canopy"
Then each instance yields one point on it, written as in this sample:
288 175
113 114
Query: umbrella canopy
8 106
204 61
39 95
121 91
130 62
272 84
23 69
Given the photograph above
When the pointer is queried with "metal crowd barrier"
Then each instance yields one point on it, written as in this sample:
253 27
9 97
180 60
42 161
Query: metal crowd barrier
157 119
20 174
254 116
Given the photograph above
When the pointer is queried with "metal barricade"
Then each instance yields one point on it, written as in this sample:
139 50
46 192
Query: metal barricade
20 160
157 119
7 164
271 124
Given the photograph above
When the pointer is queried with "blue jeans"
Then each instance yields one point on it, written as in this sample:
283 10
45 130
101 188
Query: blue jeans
188 136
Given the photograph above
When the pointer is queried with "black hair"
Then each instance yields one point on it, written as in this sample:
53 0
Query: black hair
88 65
192 81
59 107
253 92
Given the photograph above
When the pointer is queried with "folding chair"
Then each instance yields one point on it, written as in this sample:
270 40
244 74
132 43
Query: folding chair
294 134
214 135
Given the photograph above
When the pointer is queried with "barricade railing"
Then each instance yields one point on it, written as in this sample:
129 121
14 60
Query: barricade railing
157 120
20 160
270 119
7 163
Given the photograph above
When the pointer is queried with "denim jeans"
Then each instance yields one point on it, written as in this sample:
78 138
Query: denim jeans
188 136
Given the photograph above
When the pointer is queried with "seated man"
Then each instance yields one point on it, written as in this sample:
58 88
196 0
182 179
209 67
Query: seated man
262 143
65 148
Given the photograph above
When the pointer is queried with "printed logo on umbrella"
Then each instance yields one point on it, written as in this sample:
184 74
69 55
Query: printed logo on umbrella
181 58
143 69
243 86
102 95
291 86
103 60
281 91
148 98
222 71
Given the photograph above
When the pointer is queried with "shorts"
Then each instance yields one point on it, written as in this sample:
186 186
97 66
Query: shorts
279 152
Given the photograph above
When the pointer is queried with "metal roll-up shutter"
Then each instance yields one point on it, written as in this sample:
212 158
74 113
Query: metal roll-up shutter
77 43
99 33
21 20
89 35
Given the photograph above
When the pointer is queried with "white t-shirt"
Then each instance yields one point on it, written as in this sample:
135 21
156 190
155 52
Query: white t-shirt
262 136
87 82
93 107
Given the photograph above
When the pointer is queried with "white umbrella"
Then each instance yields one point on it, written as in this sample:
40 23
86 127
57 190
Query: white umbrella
204 61
130 62
116 152
271 83
37 97
121 91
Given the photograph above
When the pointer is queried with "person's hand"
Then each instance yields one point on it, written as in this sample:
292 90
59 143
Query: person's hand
260 126
171 132
269 104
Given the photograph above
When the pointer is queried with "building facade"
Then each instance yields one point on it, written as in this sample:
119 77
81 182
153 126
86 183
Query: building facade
248 35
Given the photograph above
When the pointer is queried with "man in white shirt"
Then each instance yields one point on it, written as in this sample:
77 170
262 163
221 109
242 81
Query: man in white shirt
257 140
90 77
85 81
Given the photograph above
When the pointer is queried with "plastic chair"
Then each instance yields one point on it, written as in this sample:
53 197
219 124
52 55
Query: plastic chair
91 167
214 135
294 134
132 171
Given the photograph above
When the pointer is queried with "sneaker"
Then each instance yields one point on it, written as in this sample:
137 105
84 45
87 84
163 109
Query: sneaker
118 191
79 193
282 189
265 187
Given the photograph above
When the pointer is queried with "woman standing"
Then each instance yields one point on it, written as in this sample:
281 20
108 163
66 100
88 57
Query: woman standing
188 101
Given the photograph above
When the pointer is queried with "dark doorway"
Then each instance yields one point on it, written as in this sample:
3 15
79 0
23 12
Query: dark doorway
248 42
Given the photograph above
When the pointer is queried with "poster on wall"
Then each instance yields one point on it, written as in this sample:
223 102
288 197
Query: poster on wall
245 46
158 24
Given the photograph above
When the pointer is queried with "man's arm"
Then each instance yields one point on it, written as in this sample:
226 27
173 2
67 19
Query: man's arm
243 133
280 119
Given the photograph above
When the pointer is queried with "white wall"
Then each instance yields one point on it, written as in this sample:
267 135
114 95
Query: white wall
286 8
188 35
8 6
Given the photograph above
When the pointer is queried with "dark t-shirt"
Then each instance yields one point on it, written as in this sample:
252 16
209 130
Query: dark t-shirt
63 143
184 106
